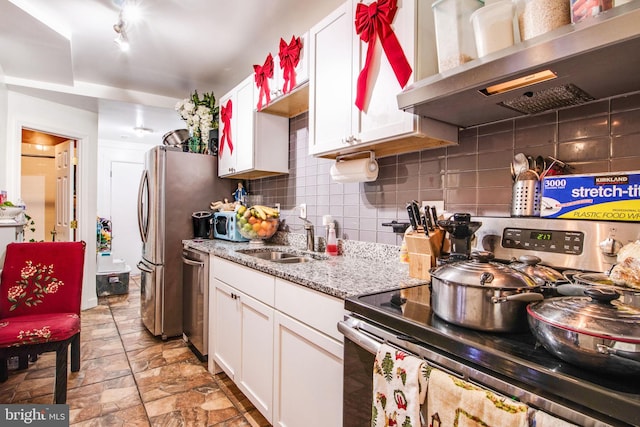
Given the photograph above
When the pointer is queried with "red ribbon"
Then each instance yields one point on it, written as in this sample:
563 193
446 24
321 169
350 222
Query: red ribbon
226 112
262 75
374 21
289 58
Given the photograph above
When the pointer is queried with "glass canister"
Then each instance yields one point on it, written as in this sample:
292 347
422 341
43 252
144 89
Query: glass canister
493 27
536 17
454 34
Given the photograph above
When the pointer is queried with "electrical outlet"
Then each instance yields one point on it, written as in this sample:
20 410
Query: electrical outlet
439 205
303 210
277 205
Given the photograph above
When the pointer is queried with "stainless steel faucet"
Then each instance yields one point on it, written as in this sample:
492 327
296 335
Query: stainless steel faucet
308 226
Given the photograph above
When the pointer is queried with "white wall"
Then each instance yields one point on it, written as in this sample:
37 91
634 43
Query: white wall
3 129
128 245
26 111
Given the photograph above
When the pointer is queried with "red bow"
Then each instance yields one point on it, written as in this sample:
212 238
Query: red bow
262 75
375 20
289 58
226 112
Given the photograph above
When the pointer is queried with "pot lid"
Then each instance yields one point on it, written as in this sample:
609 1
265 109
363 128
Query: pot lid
542 274
480 271
595 279
599 314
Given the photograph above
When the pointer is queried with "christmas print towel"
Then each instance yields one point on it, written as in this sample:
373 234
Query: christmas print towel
399 388
452 401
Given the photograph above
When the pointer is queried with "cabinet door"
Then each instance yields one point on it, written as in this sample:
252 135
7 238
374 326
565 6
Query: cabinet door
382 118
330 81
244 122
226 157
256 376
226 325
308 375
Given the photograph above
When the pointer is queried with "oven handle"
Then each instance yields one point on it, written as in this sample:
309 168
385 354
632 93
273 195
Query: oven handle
362 340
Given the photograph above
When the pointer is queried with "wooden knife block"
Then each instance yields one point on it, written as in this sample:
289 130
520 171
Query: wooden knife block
423 252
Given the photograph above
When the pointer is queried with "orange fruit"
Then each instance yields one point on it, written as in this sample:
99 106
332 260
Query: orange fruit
252 220
265 225
256 227
262 233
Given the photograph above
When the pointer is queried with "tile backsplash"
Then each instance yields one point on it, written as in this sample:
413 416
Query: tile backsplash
473 176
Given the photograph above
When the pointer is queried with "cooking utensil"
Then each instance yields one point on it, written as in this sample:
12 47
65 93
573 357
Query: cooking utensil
520 163
413 219
584 281
427 215
484 295
175 138
542 274
594 331
527 194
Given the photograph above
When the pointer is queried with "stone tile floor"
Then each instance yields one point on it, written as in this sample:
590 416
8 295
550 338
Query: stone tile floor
128 377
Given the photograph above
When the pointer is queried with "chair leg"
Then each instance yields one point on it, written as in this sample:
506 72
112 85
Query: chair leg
75 353
61 373
4 371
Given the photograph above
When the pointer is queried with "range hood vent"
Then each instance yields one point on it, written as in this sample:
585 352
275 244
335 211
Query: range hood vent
595 59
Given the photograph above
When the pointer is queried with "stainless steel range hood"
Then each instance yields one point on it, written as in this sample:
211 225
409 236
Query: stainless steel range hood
594 59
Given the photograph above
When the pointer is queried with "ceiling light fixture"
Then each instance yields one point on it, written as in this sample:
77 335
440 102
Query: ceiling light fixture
142 131
120 28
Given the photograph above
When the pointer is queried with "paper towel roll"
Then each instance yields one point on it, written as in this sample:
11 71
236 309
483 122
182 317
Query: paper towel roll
360 170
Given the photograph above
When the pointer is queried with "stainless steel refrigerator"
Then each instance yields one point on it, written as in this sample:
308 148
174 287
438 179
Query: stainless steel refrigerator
174 184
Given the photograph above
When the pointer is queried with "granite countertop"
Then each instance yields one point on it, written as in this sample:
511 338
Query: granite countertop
363 268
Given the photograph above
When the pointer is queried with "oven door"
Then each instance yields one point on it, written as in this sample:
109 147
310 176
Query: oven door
362 339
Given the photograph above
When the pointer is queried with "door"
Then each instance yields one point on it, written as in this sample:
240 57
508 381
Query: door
195 294
308 374
151 277
244 111
227 329
151 199
125 243
227 156
65 197
330 81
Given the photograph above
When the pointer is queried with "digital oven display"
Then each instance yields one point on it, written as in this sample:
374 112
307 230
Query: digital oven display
565 242
541 235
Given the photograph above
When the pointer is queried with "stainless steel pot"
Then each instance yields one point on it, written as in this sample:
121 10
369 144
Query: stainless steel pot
594 331
483 295
175 138
584 281
542 274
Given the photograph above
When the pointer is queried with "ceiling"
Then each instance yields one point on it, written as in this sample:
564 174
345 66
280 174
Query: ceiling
64 51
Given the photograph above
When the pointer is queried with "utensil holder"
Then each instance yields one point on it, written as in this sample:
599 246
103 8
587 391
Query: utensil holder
526 198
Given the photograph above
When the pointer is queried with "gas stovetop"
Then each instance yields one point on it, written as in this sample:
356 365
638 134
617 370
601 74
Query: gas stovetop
516 357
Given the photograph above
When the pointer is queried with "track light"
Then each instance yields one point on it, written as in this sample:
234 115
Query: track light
122 41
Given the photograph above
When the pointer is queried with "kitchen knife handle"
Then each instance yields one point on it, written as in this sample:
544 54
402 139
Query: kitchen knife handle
427 215
412 218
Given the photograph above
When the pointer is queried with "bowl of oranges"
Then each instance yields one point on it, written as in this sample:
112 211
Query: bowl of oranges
258 222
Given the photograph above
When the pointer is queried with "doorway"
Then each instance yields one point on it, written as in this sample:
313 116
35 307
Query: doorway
49 186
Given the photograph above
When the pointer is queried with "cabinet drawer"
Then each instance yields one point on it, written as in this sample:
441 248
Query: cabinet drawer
318 310
254 283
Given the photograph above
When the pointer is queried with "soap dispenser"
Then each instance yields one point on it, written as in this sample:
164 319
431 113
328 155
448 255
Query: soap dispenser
332 242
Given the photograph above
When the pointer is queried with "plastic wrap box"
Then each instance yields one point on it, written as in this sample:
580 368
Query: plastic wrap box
611 196
113 283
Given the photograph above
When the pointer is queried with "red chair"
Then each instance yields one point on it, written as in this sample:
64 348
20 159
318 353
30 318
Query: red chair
40 296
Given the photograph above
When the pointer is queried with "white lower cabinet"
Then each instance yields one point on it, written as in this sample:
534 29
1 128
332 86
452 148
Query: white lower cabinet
308 375
279 343
243 334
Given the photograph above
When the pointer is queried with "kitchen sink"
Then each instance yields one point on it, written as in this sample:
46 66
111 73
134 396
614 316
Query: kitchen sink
278 256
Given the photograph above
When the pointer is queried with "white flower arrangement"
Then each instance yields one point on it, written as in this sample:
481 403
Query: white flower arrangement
201 115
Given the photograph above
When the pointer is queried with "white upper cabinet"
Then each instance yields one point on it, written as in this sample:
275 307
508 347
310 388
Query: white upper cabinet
296 99
337 56
254 144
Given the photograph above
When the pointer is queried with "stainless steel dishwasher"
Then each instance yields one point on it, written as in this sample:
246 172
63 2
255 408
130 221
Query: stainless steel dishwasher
195 309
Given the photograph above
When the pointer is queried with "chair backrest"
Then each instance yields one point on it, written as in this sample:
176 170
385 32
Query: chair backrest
41 278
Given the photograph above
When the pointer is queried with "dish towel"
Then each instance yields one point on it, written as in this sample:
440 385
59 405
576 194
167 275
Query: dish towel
455 402
542 419
399 388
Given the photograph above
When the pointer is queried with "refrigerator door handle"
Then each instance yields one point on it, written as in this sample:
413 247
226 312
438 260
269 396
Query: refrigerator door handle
143 267
142 226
